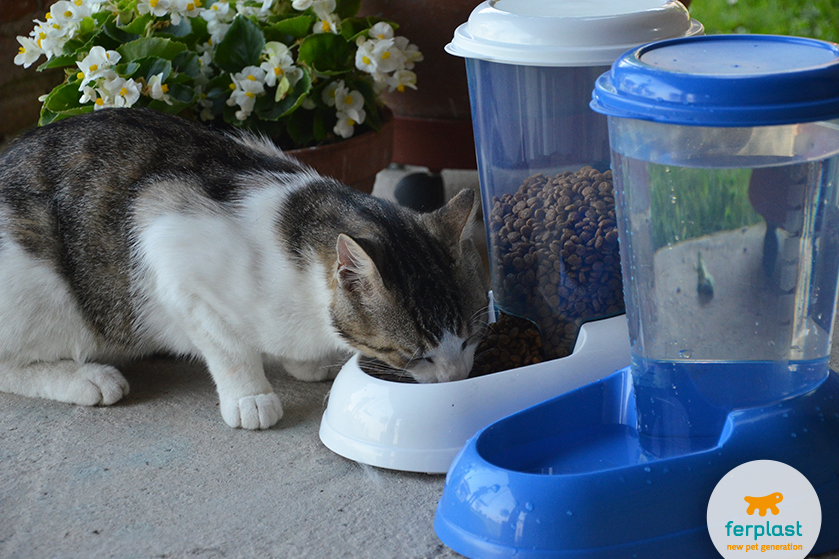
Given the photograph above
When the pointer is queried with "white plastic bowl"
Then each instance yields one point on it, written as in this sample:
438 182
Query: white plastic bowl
422 427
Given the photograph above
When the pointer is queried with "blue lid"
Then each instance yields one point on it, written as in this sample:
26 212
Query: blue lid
724 80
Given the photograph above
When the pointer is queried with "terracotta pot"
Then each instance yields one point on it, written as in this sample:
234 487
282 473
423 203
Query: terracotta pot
355 161
433 123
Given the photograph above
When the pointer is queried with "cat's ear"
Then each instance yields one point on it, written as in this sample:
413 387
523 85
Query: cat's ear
457 217
356 270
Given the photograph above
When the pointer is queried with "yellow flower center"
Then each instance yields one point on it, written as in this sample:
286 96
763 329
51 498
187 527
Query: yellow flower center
351 122
68 14
348 99
380 36
123 92
250 94
41 35
56 26
324 25
80 75
153 3
48 16
164 88
278 71
232 86
94 67
385 55
400 88
190 7
251 78
21 50
365 60
78 2
99 101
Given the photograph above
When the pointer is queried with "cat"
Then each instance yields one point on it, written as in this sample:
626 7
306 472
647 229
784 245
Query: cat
128 232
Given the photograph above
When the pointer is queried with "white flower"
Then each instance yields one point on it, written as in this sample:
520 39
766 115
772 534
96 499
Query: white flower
381 30
301 5
218 15
84 8
409 50
157 8
266 5
97 64
62 20
326 24
349 106
124 93
247 84
101 99
185 8
279 67
364 58
28 53
352 104
345 124
323 8
156 89
333 91
387 57
401 79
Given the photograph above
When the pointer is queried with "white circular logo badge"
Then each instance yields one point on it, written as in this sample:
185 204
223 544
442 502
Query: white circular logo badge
765 507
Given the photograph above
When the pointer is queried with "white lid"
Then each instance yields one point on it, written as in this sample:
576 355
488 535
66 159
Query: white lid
567 32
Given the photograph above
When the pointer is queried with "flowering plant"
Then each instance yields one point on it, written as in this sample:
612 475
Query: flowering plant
302 71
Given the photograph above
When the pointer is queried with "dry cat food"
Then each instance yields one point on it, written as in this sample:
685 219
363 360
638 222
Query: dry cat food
555 254
509 343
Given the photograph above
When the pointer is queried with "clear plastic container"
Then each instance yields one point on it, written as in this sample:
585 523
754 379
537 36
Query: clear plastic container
725 153
543 154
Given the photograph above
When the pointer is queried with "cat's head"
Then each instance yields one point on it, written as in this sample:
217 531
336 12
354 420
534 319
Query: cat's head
414 295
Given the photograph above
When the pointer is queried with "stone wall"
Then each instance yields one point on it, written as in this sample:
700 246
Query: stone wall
20 88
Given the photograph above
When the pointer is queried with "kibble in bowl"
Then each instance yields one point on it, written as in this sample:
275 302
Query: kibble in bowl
554 256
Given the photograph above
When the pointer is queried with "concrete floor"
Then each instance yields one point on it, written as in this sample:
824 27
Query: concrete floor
159 475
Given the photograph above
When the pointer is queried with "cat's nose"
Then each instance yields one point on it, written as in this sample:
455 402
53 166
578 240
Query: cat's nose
453 371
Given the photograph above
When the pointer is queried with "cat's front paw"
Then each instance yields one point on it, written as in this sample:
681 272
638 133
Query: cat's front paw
260 411
97 385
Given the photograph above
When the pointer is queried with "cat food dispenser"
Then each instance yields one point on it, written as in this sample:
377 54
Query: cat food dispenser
725 154
543 154
543 161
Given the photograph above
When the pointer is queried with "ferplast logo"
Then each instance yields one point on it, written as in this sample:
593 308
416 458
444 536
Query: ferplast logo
764 507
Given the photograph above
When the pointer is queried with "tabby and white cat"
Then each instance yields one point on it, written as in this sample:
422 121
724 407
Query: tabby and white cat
127 232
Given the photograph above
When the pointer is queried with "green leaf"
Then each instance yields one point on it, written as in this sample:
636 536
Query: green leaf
268 109
118 33
300 127
63 101
347 8
128 69
183 29
65 96
146 68
240 47
138 25
327 53
297 26
150 46
187 63
58 62
355 27
182 93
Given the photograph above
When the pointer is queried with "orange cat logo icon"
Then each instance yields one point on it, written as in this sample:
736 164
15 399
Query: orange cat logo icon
769 502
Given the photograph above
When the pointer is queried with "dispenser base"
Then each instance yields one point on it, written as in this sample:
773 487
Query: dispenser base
568 478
